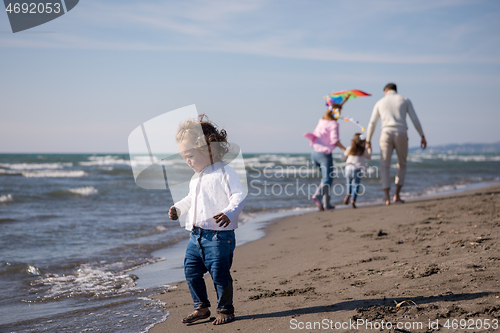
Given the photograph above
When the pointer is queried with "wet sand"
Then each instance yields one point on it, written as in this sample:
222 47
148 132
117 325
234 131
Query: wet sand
314 271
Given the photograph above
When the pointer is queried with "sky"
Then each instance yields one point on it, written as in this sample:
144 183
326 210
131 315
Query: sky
84 81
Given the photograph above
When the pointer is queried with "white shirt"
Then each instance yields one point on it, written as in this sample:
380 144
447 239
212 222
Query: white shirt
216 189
392 108
357 161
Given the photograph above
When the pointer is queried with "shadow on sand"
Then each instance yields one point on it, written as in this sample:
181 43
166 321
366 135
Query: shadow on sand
355 304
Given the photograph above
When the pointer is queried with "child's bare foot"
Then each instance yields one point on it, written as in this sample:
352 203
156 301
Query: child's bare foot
318 203
223 318
353 204
199 314
387 196
346 199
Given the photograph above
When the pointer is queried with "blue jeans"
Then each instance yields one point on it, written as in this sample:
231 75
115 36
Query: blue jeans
353 180
210 251
325 163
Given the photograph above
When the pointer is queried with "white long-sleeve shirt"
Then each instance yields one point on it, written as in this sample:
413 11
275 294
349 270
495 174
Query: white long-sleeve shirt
392 109
216 189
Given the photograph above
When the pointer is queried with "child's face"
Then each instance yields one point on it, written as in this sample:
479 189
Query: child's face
194 157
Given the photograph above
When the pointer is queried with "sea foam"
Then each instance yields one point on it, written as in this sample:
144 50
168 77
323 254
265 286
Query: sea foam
34 166
84 191
54 174
6 198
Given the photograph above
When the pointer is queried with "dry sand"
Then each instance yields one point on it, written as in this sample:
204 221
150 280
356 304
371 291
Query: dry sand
440 253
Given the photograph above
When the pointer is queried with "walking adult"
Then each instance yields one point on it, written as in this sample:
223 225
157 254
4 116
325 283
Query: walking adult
392 109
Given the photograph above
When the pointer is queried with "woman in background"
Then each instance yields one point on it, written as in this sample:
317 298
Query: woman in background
324 139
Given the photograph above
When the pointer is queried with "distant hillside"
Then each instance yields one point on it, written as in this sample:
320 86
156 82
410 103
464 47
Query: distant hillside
466 148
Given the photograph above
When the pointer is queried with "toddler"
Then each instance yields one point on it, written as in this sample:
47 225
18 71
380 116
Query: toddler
213 205
356 155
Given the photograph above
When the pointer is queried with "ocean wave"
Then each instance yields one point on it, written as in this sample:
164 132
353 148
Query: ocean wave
54 174
454 157
415 159
84 191
34 166
281 172
104 161
278 158
469 158
84 281
256 164
19 269
434 190
10 172
6 198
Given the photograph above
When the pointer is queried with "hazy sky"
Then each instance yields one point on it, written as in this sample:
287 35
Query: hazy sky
83 82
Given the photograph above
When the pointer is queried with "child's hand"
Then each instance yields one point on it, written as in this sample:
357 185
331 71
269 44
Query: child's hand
222 219
173 213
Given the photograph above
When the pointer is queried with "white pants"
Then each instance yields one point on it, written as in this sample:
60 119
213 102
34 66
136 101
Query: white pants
390 140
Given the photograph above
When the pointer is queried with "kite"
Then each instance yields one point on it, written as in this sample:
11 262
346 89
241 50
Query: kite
341 96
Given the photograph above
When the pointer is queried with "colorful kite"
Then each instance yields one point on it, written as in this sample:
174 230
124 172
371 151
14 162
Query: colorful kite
339 96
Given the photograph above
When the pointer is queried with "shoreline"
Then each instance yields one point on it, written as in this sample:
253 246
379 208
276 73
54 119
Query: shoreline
171 267
315 269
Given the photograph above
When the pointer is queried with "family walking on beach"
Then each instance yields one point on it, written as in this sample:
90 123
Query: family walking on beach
392 109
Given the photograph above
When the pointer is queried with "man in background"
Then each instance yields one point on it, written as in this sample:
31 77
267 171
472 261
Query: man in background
392 109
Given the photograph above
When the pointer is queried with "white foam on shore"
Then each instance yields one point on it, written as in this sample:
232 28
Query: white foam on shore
86 280
54 174
159 304
84 191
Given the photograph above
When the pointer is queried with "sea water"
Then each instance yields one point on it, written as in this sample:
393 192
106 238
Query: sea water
82 246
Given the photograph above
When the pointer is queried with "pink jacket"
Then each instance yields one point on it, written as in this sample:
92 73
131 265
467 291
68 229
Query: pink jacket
325 137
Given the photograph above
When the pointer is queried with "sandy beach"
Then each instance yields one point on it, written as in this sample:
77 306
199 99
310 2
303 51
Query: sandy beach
329 270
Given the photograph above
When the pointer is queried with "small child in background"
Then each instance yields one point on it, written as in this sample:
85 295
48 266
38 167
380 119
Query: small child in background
356 155
214 202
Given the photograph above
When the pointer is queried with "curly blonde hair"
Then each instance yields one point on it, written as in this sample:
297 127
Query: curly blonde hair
189 131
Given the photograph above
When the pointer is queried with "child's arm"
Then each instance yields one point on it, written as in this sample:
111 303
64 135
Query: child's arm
340 146
236 199
334 138
346 153
180 207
